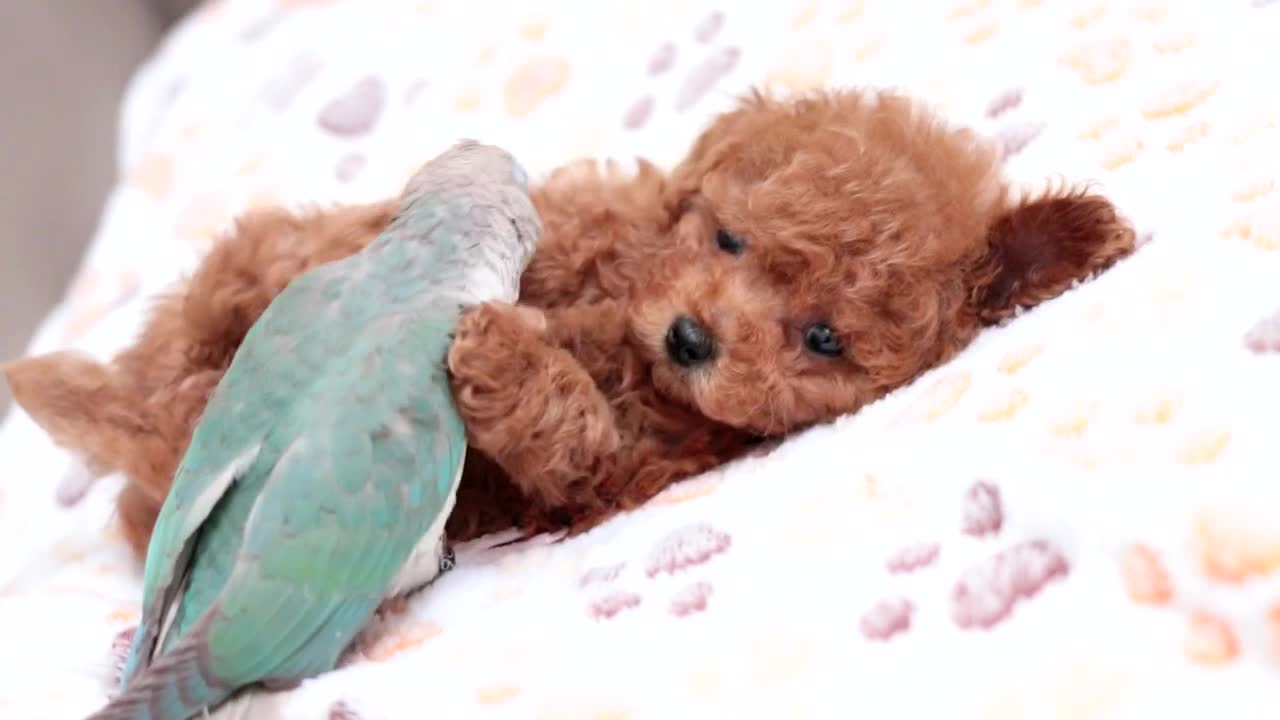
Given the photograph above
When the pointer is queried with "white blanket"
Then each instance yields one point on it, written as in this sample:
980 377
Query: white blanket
1079 517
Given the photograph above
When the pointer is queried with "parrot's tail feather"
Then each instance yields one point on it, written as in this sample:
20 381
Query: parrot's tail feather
178 685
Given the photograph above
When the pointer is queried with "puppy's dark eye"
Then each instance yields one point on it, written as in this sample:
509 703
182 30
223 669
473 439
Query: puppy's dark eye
820 339
730 243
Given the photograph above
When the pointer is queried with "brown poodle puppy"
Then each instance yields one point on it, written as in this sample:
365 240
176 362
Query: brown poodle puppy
808 256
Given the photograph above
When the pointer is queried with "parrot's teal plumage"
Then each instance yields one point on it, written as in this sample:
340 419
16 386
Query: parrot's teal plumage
319 478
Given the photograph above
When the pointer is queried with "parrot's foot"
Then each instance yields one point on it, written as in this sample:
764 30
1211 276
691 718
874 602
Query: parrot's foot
399 604
448 560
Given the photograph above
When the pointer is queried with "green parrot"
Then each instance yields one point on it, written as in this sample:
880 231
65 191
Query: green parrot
319 479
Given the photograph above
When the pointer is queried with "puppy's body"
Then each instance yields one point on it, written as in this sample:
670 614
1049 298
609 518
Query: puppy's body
806 257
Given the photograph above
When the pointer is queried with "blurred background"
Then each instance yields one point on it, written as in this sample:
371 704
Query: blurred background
68 63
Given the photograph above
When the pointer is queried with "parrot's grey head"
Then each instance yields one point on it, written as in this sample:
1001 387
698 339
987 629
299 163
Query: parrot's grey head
493 186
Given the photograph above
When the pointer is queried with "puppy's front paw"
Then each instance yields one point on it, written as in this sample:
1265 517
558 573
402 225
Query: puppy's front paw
490 319
494 351
489 339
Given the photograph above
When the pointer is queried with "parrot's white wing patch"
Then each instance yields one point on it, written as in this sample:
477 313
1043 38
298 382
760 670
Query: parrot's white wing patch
203 503
424 562
201 506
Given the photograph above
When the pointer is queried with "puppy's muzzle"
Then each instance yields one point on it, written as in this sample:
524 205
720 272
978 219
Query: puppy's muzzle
689 344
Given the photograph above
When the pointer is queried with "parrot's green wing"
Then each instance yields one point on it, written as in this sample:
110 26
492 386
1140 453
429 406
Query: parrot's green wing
334 524
253 390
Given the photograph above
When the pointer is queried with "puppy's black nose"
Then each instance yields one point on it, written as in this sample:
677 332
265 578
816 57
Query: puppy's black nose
688 342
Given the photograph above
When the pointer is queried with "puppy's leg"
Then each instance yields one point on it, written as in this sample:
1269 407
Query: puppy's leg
86 408
530 406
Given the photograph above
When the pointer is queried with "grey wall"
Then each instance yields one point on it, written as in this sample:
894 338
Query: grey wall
65 64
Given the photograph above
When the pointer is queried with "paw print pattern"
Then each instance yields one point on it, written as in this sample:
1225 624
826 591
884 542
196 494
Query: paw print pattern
355 112
279 92
342 710
705 75
697 81
1012 139
414 92
662 59
1014 136
639 113
348 167
533 82
691 599
601 575
1004 103
983 511
709 27
886 619
686 547
1210 640
1145 577
987 592
615 602
1264 336
913 557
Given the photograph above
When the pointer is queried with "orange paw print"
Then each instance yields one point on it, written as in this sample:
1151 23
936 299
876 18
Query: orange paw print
1100 62
1203 447
1210 640
1004 408
1179 99
1189 135
1255 231
1121 152
1232 550
935 402
534 82
1145 577
1098 128
1015 360
1088 16
1251 189
1073 423
806 66
401 641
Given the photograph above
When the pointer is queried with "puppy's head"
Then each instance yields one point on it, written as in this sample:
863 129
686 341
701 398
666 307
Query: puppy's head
830 248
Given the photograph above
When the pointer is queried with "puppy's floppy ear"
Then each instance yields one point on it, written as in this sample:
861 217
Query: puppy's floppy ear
1040 246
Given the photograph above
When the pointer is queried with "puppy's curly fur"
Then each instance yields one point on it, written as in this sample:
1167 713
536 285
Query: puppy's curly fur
807 256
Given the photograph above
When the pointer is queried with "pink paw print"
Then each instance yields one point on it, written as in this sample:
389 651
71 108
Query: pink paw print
1011 135
683 548
715 65
1264 336
986 593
